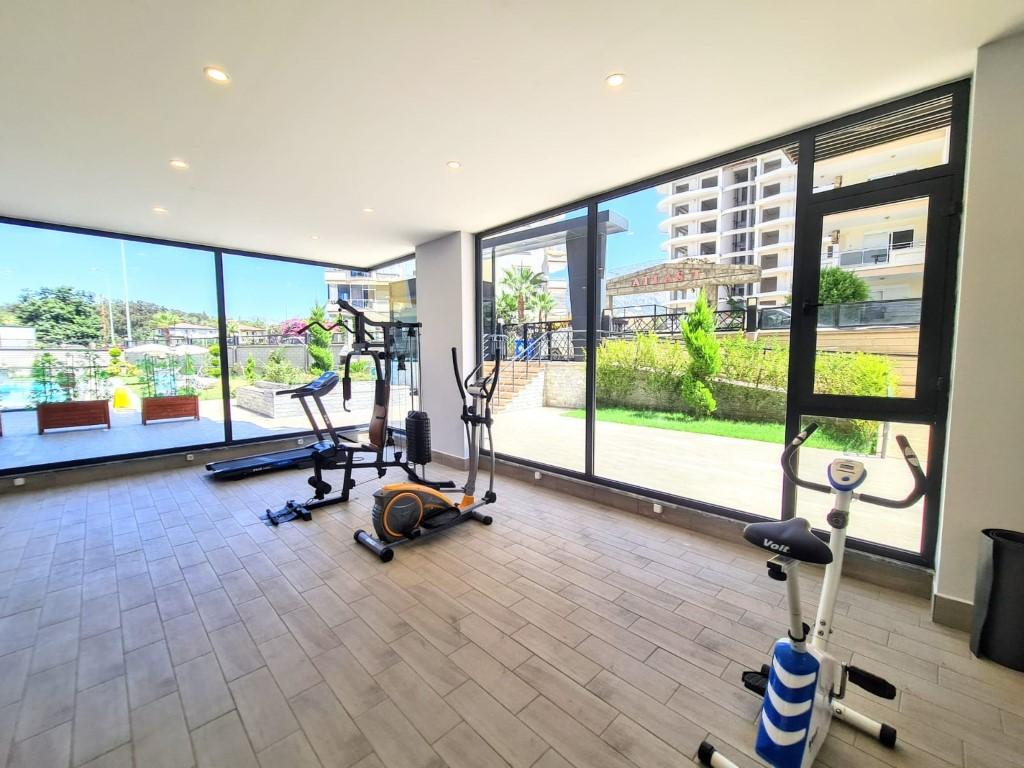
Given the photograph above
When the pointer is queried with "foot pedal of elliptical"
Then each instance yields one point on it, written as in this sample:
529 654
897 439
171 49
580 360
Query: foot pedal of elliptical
757 682
287 513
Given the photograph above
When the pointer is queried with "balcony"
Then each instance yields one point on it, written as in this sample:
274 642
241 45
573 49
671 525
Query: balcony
783 245
690 239
667 224
784 196
901 255
666 203
784 172
785 220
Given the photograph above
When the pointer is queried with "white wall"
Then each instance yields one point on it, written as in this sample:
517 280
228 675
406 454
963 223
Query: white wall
445 298
986 423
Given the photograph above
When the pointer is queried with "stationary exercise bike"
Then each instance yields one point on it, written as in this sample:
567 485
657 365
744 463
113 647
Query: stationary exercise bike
804 685
405 512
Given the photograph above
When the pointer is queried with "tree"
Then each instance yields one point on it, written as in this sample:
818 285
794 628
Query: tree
7 316
250 369
60 315
543 302
213 364
839 286
524 284
319 344
506 309
164 321
292 326
705 358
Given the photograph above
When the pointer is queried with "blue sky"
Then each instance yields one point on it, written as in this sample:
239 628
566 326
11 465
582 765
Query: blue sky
642 243
179 278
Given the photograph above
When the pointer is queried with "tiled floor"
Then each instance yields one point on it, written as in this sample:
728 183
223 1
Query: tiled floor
155 621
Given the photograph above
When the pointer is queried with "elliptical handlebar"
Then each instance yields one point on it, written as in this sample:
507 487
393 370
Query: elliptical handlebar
487 385
913 463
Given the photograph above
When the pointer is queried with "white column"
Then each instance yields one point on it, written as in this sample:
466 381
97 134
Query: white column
982 480
445 304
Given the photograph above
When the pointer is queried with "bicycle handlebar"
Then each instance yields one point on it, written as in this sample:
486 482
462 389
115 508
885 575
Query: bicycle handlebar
913 463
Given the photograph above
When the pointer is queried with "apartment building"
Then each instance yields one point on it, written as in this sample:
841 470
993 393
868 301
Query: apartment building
366 290
744 213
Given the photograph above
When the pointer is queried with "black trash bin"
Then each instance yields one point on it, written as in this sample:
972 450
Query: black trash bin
997 632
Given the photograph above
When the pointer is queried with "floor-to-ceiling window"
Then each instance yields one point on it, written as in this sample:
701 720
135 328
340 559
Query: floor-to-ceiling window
732 302
107 347
535 314
270 303
114 346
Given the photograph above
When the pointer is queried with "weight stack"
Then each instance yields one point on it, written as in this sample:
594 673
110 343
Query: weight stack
417 437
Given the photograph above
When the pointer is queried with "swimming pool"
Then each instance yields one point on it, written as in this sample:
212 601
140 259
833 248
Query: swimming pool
16 394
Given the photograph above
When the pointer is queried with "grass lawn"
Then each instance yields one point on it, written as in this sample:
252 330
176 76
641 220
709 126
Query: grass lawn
742 430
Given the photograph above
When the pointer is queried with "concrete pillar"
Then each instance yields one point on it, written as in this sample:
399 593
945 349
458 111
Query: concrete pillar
982 482
445 305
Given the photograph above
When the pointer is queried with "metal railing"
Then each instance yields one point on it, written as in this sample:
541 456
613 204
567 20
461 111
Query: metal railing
860 314
870 256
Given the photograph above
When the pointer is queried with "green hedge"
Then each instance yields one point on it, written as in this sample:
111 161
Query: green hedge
631 372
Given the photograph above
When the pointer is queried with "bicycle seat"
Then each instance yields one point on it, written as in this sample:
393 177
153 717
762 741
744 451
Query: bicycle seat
792 538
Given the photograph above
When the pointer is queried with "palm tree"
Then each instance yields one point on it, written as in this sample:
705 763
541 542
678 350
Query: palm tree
506 309
164 321
524 284
544 303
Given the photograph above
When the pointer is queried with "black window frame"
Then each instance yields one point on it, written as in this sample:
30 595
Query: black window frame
952 170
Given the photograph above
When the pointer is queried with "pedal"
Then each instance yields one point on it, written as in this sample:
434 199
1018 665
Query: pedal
757 682
873 684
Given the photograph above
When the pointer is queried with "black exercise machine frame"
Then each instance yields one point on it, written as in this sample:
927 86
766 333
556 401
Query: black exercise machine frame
382 352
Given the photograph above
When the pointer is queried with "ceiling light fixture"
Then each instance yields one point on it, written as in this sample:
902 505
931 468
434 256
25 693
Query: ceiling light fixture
159 209
217 75
615 80
368 210
180 164
314 237
454 164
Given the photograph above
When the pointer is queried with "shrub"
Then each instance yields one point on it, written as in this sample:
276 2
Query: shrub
319 344
361 370
280 371
839 286
705 358
250 368
754 362
213 364
624 364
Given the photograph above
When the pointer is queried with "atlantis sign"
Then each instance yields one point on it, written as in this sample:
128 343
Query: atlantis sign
681 276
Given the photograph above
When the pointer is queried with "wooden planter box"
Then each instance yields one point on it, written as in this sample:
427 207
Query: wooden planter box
170 407
84 413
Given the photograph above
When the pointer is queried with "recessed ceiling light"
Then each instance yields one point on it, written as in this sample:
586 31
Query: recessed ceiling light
159 209
216 74
454 164
368 210
180 164
615 80
314 237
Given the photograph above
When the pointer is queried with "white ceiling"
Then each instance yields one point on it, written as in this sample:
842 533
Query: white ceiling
336 106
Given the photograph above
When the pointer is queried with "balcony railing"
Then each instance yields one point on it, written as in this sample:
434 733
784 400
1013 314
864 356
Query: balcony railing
901 253
858 315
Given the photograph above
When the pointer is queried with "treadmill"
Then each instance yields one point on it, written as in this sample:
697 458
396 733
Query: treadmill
293 458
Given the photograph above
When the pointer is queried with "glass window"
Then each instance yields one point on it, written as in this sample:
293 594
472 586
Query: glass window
870 290
771 190
539 274
708 226
709 182
874 444
903 140
107 347
709 204
654 429
267 302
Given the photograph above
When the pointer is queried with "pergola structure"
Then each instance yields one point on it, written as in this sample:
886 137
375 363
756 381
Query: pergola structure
680 275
